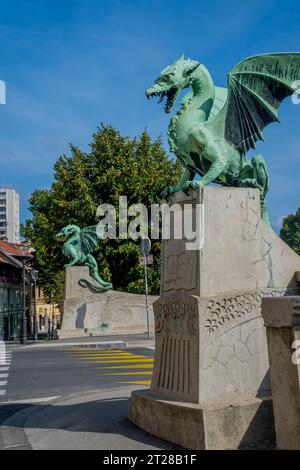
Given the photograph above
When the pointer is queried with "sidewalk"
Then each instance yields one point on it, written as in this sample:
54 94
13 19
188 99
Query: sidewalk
103 341
91 421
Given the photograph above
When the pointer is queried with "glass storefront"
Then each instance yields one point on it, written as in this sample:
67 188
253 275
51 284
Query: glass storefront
10 312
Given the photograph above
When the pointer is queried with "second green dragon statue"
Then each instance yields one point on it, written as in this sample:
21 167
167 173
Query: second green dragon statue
215 127
78 247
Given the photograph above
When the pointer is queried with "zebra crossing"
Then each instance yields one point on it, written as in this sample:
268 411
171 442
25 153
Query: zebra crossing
124 366
5 360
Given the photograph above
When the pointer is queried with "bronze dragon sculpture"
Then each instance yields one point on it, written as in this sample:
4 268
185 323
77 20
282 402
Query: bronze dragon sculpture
215 127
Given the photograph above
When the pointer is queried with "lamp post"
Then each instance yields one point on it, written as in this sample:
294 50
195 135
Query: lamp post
34 277
23 326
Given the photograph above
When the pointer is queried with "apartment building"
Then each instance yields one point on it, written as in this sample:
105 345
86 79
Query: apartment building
9 215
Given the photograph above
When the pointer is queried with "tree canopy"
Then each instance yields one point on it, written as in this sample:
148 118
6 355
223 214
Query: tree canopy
115 166
290 231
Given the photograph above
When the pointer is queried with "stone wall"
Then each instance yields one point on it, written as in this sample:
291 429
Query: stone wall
112 312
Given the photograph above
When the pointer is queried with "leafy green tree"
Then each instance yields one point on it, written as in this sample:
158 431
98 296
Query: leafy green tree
290 231
115 166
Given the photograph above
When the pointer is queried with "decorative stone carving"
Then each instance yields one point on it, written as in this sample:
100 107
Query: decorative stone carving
237 306
178 311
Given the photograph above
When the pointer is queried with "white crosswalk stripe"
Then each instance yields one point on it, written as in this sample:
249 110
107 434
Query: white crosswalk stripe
30 400
5 361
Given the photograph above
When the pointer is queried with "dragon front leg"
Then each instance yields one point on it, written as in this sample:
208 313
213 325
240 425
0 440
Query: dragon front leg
186 178
203 140
74 261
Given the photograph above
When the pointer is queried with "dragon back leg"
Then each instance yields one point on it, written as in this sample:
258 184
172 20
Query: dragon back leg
91 262
255 175
261 175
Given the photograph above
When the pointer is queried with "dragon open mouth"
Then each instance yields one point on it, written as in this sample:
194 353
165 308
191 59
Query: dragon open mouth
170 94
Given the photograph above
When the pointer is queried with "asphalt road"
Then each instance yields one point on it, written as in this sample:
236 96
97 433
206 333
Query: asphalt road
73 398
45 372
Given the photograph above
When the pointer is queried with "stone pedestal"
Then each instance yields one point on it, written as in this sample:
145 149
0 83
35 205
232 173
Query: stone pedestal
210 386
282 320
88 313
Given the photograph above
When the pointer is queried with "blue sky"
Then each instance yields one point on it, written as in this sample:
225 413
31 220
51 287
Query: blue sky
69 65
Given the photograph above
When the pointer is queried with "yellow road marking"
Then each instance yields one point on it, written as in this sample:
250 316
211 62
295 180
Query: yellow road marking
96 356
137 382
145 372
121 361
137 366
91 356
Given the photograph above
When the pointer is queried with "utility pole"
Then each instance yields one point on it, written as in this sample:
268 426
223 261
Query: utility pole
34 276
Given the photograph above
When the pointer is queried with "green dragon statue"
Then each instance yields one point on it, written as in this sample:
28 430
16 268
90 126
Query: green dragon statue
215 127
78 248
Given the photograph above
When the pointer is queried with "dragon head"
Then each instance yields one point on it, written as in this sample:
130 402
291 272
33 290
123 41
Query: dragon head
67 231
172 80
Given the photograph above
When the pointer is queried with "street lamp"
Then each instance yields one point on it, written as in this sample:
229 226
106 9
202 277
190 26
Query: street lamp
23 325
34 277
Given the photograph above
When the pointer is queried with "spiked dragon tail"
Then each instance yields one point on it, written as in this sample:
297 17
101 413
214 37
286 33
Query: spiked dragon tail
96 287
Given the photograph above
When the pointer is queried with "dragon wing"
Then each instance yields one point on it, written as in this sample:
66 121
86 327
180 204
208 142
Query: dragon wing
256 87
89 239
219 101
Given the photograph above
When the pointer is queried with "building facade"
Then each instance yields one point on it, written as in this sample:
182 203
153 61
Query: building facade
12 296
11 291
46 313
9 215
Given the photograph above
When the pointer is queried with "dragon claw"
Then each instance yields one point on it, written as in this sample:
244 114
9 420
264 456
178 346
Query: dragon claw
167 192
189 185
